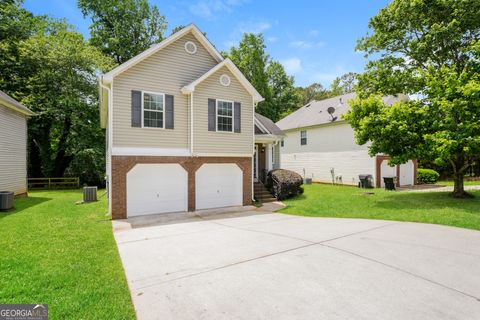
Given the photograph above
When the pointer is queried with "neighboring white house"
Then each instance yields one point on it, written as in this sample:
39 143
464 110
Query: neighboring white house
13 145
181 129
319 144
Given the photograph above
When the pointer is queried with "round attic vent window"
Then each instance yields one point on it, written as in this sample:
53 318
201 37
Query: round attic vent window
190 47
225 80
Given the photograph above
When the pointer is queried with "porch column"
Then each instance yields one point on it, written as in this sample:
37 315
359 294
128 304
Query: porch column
268 156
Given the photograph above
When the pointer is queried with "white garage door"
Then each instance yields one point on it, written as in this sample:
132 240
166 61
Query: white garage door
387 171
407 173
156 188
218 185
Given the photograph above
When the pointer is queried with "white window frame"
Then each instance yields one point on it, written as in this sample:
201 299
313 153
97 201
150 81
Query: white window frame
143 111
306 140
232 116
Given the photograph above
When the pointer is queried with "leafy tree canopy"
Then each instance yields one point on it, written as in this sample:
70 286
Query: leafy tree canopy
50 68
267 76
343 84
429 48
123 28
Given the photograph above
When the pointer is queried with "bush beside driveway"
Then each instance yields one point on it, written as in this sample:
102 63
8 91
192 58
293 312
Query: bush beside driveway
55 252
323 200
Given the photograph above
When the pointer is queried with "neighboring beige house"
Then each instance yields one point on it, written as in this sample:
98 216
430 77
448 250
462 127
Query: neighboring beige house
320 145
180 129
13 145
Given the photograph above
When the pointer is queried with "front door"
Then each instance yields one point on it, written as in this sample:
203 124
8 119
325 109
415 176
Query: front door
261 162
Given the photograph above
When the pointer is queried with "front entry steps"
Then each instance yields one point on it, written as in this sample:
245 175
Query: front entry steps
262 194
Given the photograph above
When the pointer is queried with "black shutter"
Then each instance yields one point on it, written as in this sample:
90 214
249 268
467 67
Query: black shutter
168 111
237 117
136 108
212 115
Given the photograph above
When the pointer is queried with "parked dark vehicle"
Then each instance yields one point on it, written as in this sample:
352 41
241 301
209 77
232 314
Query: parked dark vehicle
284 183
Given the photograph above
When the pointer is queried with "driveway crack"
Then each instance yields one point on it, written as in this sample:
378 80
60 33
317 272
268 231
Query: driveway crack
309 244
402 270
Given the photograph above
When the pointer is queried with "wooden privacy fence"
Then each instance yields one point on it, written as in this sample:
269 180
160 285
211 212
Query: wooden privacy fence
54 183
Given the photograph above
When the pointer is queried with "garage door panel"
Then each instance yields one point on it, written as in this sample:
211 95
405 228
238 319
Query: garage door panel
218 185
407 173
156 188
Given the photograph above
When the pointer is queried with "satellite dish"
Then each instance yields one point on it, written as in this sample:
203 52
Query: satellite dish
331 111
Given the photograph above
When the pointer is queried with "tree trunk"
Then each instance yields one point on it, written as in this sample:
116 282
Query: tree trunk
458 189
458 169
39 148
62 161
34 160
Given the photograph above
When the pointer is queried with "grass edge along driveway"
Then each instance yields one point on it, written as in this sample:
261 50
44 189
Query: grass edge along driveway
55 252
320 200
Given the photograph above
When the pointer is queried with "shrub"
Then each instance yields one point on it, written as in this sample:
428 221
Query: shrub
427 176
284 183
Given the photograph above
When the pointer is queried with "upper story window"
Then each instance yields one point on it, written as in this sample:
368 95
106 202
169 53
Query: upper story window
282 144
153 110
224 116
303 138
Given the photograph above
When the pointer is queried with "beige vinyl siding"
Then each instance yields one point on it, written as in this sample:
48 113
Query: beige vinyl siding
205 141
13 151
166 71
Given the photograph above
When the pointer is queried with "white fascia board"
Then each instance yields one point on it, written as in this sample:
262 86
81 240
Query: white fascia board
243 155
172 152
108 77
22 111
266 138
236 72
315 126
261 126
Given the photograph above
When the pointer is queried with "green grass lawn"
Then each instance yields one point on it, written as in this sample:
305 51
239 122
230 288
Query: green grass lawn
55 252
465 182
350 202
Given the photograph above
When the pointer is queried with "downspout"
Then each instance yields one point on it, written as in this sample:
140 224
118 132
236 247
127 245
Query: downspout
110 139
253 144
191 124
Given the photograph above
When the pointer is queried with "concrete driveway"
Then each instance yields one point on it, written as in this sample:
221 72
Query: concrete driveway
260 265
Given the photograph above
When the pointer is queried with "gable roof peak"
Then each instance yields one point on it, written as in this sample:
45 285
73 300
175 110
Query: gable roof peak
191 28
234 70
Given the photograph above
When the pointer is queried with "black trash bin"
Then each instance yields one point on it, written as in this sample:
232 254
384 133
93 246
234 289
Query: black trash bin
389 183
366 181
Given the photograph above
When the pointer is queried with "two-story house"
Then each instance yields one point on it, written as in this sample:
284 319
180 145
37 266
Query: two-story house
180 124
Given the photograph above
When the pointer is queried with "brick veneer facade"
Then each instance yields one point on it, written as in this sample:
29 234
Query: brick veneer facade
121 165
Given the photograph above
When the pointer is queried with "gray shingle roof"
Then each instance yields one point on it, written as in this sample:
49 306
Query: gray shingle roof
315 112
11 103
269 125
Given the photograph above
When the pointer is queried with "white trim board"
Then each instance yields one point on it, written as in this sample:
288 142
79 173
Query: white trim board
261 126
128 151
241 155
